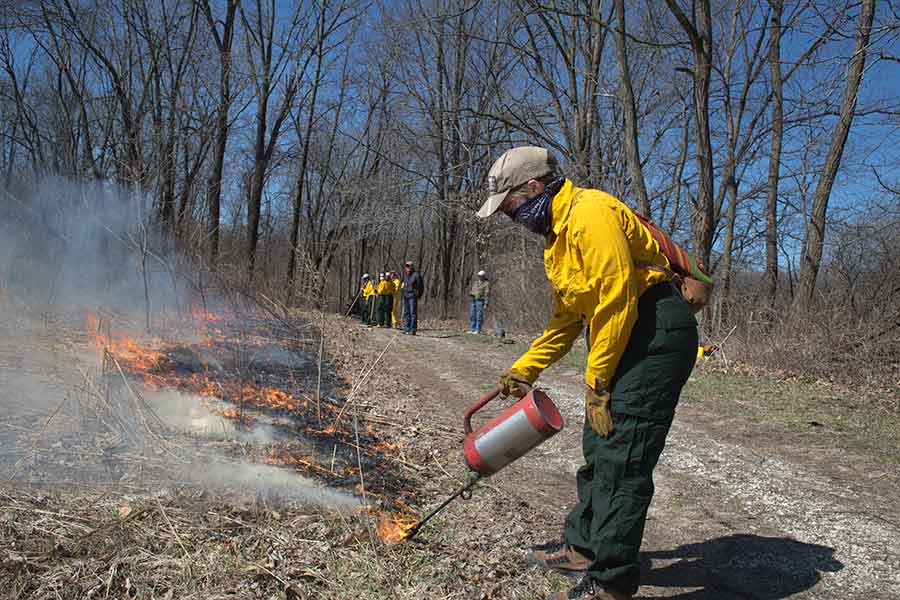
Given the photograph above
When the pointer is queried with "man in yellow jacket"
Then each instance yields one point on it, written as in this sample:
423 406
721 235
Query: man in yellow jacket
608 275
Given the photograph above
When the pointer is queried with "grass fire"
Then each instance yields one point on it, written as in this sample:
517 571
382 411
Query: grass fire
302 428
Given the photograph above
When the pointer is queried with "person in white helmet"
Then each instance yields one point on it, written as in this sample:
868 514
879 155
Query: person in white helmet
367 291
479 293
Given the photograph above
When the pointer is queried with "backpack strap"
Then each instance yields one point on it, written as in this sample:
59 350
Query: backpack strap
643 264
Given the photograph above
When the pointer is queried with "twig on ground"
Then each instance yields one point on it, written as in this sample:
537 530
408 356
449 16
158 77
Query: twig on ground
319 377
363 379
187 556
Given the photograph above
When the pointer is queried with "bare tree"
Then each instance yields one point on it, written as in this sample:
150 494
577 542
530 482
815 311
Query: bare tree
169 68
224 40
563 51
699 31
743 47
275 59
774 59
811 257
330 20
121 53
626 91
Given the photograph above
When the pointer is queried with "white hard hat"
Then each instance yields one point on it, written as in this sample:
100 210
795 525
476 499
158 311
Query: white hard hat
366 276
481 273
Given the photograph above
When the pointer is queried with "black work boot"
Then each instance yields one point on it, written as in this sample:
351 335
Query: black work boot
588 589
558 557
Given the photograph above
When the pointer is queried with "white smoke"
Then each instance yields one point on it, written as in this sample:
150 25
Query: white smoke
67 247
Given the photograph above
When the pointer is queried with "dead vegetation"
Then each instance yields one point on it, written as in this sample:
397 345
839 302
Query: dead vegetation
133 530
185 544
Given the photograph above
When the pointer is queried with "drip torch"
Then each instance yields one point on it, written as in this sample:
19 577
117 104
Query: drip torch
512 434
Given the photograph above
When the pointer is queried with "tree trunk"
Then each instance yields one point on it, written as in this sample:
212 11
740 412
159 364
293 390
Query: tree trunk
214 182
304 156
626 91
727 247
254 201
811 258
701 45
771 276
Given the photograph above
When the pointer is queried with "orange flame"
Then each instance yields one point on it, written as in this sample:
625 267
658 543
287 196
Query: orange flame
202 315
126 349
146 363
386 447
236 415
393 528
149 362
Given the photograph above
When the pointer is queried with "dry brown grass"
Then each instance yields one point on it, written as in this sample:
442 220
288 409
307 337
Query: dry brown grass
73 544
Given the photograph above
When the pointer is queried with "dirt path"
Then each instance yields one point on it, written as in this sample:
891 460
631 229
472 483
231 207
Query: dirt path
739 511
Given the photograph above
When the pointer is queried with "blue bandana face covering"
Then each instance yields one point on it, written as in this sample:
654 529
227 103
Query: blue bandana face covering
535 213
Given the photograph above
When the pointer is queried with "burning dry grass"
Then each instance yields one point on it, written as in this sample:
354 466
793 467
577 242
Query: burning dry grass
204 372
149 362
393 527
143 537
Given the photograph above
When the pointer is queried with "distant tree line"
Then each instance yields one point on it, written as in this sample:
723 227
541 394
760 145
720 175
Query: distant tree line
300 142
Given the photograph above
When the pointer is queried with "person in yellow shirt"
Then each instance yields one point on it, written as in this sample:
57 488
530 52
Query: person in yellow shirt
608 275
385 291
368 296
396 311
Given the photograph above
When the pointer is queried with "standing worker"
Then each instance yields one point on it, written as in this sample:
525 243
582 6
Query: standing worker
479 293
398 299
368 294
413 288
607 274
385 293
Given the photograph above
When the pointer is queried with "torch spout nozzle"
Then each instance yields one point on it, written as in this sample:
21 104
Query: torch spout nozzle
460 492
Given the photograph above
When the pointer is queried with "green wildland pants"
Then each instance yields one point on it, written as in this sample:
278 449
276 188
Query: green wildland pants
615 485
383 310
369 311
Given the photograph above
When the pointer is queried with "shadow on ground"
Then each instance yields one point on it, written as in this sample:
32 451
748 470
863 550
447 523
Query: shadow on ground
740 566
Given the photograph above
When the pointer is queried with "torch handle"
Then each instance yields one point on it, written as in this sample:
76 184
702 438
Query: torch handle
467 418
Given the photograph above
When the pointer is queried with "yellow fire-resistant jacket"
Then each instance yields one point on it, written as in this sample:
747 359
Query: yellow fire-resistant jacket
385 288
590 259
368 289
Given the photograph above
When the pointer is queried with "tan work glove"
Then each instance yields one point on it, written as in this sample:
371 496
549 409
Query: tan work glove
596 407
513 383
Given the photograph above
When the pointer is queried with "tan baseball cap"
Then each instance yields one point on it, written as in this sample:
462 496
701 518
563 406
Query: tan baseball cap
512 169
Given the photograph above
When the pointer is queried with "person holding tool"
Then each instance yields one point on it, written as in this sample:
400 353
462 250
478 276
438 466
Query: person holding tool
367 292
607 274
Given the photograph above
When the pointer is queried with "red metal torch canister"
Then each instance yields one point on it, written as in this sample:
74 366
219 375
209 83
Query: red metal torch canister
518 430
522 427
